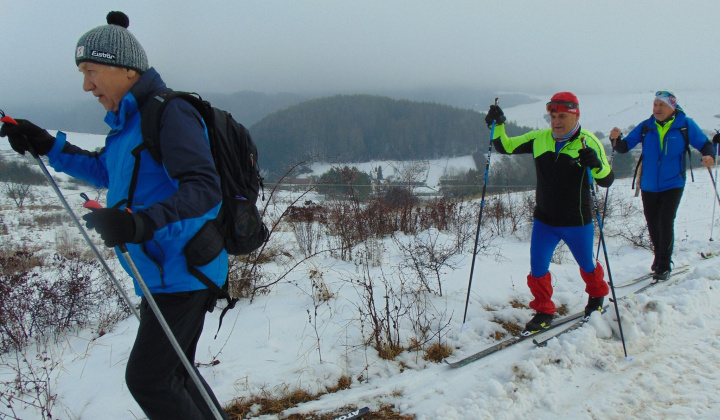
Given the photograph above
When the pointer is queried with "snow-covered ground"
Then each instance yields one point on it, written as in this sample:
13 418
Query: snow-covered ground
672 333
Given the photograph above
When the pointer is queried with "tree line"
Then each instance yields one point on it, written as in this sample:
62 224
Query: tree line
360 128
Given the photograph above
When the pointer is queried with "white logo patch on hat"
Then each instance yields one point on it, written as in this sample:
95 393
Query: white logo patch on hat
80 52
102 54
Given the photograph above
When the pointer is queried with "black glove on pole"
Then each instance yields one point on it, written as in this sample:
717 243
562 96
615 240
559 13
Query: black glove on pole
589 159
118 227
495 113
25 136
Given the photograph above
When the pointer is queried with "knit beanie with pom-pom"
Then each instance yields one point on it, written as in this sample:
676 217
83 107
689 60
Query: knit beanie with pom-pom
112 45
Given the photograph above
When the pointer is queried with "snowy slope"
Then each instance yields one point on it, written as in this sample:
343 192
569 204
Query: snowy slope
671 333
602 112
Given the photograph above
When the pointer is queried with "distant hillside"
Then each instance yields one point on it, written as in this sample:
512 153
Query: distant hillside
88 116
249 107
359 128
467 98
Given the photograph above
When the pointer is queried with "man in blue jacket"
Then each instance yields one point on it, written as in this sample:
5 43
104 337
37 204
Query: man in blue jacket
662 179
155 218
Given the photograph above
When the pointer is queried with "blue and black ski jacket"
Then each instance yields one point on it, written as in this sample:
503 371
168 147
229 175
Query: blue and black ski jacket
179 195
663 156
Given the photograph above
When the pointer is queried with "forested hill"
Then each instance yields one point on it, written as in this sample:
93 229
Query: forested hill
360 128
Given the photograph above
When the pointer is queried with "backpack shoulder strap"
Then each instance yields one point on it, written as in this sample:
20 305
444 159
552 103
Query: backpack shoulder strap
643 133
686 137
684 132
151 116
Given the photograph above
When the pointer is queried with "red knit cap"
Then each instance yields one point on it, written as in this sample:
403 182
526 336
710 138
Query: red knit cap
564 102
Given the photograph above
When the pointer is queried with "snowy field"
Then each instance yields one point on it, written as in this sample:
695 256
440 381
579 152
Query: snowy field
672 332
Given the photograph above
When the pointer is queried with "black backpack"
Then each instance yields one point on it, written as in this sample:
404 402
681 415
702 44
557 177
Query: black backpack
238 227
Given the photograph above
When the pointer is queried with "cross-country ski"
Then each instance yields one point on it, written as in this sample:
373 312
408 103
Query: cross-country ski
513 340
352 415
649 276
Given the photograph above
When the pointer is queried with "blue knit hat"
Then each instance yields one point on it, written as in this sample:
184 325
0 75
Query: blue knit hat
112 45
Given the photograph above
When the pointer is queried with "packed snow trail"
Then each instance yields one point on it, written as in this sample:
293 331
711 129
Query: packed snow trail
582 375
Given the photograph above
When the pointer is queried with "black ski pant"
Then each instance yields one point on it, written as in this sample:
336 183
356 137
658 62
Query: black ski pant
660 209
154 374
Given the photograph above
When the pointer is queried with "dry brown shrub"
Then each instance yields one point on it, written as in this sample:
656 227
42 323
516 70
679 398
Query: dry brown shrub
518 305
437 352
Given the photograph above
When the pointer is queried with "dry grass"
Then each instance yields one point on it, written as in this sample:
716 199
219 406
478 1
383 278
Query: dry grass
498 335
19 260
389 352
437 352
513 328
49 219
386 413
268 404
518 305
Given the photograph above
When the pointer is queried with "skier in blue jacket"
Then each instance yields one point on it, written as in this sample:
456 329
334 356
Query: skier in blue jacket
171 202
662 179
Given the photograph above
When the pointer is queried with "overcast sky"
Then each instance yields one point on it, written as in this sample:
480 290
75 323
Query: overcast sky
344 46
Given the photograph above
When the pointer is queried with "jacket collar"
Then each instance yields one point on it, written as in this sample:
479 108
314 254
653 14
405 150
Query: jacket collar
679 120
149 84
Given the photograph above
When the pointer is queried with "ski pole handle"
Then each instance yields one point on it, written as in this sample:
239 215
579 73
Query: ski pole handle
10 120
90 204
589 172
6 118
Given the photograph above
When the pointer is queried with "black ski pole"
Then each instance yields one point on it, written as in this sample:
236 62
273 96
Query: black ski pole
714 185
482 204
607 260
607 195
712 221
53 184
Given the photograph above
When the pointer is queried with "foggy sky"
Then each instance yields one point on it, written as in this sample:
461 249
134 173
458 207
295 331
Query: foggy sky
367 46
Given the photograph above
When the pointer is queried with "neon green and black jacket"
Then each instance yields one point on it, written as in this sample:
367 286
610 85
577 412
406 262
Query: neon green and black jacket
562 196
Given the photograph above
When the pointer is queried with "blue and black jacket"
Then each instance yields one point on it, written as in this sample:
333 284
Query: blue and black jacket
664 155
178 196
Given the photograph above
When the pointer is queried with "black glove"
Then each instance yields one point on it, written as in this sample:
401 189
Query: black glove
716 139
589 159
117 227
25 135
494 114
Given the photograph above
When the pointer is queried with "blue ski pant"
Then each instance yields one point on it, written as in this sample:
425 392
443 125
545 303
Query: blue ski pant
545 239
